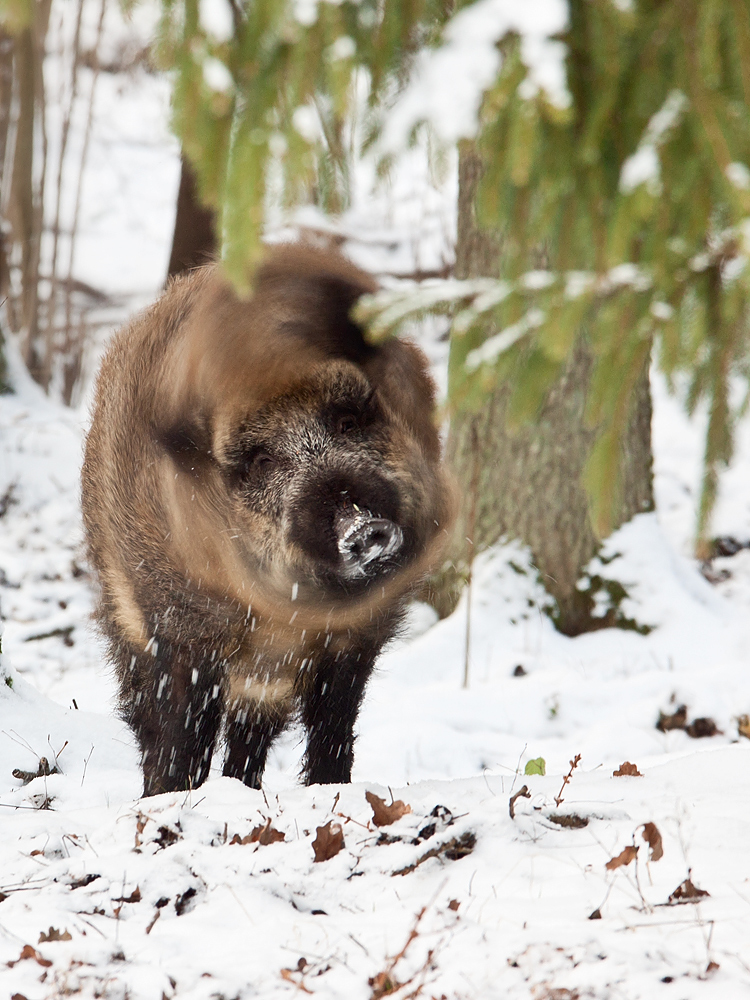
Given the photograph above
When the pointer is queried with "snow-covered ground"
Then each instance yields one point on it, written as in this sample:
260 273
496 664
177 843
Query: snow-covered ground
103 894
81 854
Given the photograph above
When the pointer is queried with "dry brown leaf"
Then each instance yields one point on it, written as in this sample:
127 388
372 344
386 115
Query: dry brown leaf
570 821
29 952
623 858
383 814
383 985
702 727
264 835
53 934
328 842
134 897
545 992
678 720
626 769
454 905
686 890
653 838
140 826
743 726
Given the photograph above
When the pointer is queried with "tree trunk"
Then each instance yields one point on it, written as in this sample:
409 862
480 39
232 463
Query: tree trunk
6 101
26 184
194 241
528 483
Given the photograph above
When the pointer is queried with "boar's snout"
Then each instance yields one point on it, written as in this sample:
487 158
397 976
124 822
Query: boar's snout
366 543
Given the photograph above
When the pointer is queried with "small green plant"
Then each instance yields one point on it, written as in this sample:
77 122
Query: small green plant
536 766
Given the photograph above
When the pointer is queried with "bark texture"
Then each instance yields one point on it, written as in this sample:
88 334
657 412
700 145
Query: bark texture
529 482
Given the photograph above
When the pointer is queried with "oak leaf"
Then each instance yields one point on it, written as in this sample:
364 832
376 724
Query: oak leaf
328 842
626 769
383 814
53 934
266 834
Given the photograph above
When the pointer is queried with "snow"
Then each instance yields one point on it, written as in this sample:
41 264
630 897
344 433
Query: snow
215 18
495 345
217 76
640 168
739 175
150 898
643 166
447 83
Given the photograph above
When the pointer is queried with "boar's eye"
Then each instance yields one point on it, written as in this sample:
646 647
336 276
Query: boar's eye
259 462
347 423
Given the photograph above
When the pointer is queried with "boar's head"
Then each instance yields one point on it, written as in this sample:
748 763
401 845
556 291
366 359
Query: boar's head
321 476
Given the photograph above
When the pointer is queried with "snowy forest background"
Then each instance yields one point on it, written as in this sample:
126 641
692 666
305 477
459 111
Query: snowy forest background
612 884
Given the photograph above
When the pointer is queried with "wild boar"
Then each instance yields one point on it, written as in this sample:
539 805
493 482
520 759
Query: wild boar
261 492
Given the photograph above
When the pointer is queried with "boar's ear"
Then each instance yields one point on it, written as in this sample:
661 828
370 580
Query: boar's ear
187 443
398 370
315 290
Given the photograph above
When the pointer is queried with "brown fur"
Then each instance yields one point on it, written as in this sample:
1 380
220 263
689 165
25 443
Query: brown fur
224 434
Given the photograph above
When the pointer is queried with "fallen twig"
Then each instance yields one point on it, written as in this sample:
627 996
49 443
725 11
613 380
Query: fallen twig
523 793
566 779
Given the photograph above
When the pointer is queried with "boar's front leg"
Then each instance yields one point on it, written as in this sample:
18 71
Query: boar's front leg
252 726
259 698
172 700
330 699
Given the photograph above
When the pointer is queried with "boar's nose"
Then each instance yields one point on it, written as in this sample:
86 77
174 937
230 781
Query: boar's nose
365 542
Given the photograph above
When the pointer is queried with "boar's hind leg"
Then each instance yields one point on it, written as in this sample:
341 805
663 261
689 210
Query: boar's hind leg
172 700
252 726
330 702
